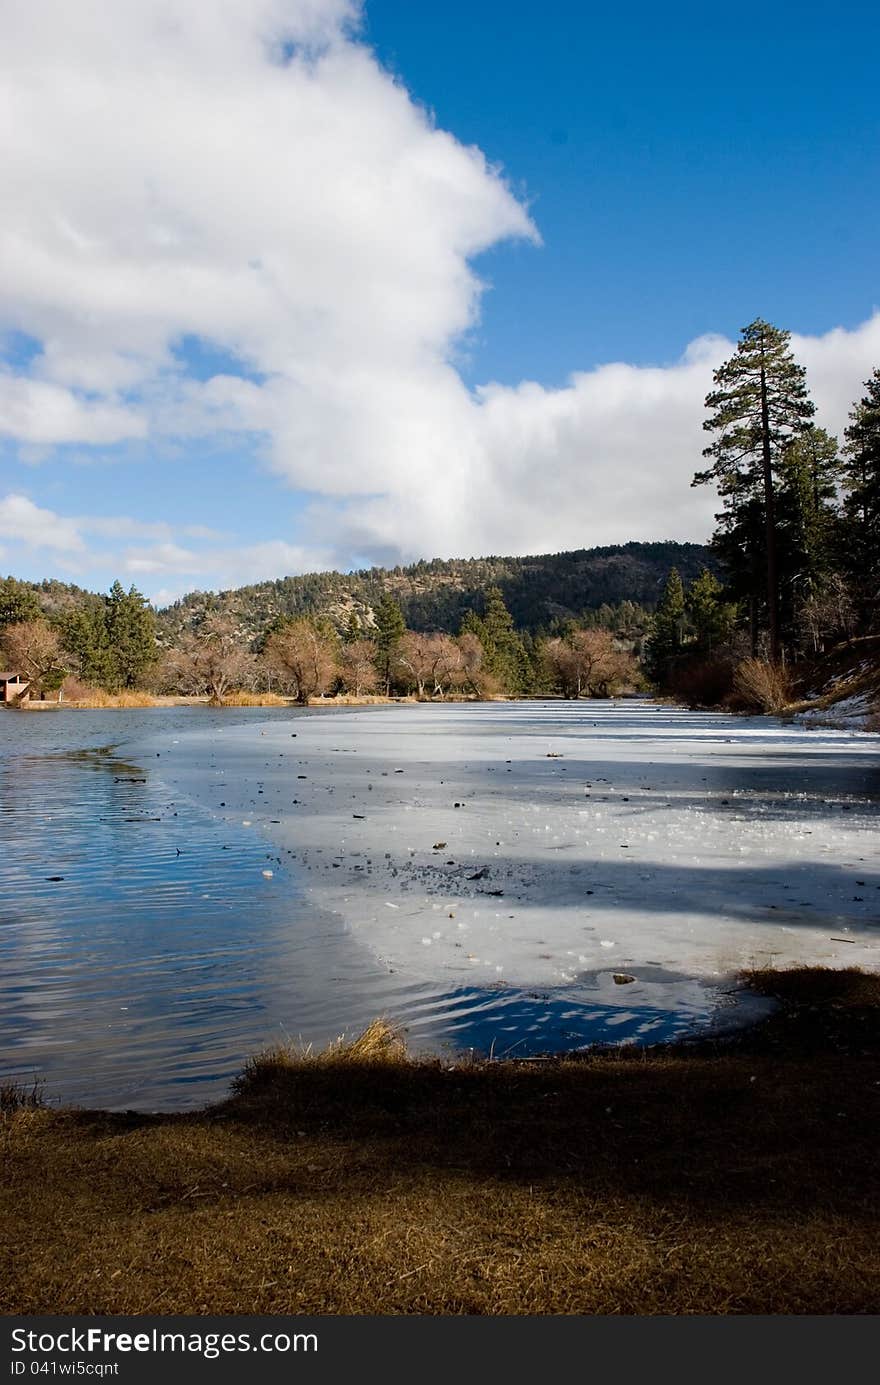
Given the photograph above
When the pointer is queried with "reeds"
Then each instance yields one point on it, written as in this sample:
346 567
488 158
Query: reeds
98 697
251 699
20 1096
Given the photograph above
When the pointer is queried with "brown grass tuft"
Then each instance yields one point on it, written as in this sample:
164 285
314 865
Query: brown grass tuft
97 697
380 1043
760 686
734 1175
249 699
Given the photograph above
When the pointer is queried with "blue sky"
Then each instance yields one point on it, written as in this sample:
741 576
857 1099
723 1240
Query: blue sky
448 279
684 178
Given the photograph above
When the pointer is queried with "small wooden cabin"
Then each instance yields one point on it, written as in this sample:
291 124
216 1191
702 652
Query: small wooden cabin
13 688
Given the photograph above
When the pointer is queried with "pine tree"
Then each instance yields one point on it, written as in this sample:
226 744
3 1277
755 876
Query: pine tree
84 629
760 406
861 506
710 615
504 654
806 522
18 602
668 633
131 634
390 627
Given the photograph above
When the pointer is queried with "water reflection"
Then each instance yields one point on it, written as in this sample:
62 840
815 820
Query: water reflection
146 951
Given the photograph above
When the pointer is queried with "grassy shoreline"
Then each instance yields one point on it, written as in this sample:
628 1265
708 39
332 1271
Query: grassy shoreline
126 701
734 1175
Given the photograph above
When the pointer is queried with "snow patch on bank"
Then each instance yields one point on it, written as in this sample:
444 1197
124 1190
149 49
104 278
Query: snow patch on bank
858 713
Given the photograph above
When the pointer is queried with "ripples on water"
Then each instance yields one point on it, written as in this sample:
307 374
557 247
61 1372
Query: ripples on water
144 954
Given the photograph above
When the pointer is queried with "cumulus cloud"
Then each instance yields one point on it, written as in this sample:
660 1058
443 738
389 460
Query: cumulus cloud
215 567
33 411
244 172
23 522
99 541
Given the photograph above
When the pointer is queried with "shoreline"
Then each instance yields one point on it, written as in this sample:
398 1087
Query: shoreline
726 1176
864 718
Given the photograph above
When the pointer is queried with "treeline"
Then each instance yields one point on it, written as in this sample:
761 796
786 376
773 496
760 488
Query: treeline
539 591
109 643
83 641
797 538
308 657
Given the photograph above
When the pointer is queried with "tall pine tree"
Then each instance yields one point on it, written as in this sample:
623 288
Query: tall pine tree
760 406
131 634
390 627
806 523
504 654
861 506
668 630
711 617
18 602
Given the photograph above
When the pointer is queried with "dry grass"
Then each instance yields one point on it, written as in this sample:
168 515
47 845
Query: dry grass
358 700
760 686
249 699
20 1096
97 697
380 1042
721 1177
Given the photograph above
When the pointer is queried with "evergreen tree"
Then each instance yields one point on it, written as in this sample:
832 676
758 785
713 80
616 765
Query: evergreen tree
711 617
84 629
131 635
806 522
668 633
760 406
18 602
504 654
390 627
861 506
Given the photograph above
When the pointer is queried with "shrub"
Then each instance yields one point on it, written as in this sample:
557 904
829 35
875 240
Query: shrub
760 686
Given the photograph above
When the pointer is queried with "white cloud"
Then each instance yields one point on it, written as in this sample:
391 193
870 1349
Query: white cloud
36 412
168 174
94 540
606 459
838 364
217 568
21 521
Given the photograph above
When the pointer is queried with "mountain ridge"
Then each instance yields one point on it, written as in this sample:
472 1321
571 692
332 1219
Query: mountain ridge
540 590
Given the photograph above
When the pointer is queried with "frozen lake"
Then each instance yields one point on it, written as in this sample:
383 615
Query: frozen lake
486 874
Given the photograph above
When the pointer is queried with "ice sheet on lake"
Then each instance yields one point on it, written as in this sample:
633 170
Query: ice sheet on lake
536 844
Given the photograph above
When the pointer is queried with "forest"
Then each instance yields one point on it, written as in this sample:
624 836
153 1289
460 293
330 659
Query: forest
790 579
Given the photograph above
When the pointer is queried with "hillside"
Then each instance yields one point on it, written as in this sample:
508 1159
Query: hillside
435 595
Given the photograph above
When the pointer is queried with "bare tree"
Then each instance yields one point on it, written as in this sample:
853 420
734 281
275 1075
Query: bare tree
305 657
589 662
470 674
210 660
447 664
358 666
562 667
33 648
827 614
